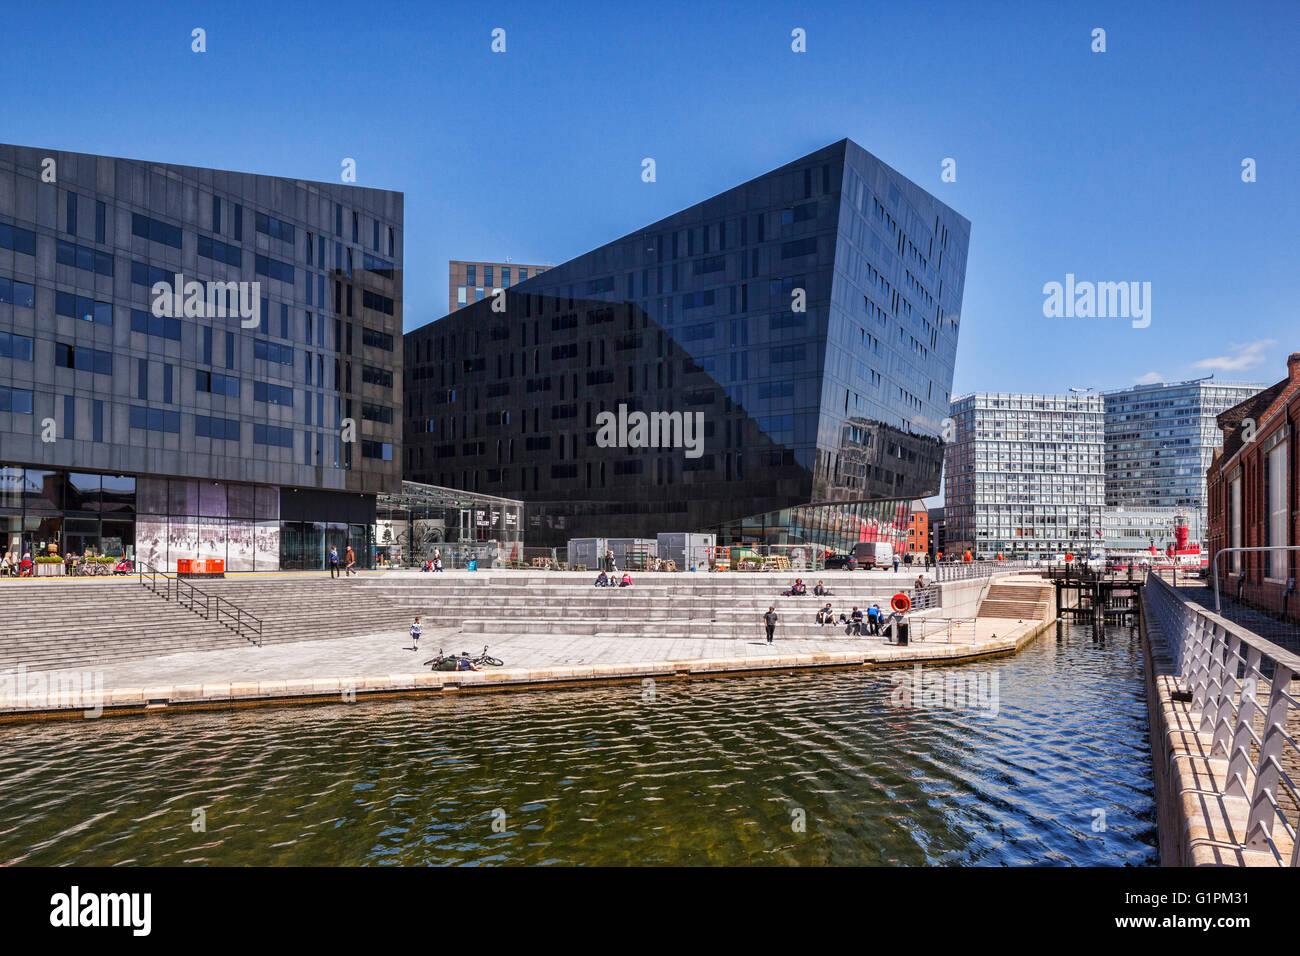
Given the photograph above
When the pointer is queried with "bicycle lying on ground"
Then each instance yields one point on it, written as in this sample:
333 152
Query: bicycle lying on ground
441 662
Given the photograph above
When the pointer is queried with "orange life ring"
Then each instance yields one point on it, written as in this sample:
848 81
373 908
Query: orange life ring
901 603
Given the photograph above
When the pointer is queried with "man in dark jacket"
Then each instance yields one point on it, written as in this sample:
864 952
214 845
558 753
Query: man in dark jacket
769 621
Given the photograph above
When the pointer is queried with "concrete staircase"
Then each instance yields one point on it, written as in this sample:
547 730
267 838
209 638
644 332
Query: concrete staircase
1017 600
666 605
78 623
71 624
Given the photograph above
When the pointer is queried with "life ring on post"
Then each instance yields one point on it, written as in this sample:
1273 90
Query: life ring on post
901 603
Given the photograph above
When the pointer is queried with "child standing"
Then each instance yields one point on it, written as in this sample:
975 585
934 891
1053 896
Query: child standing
416 628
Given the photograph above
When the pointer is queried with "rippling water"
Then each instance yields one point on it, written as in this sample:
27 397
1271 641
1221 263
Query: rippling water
718 771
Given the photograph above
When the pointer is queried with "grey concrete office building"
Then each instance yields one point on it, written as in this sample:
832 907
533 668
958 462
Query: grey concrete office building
807 319
1024 476
200 433
1160 439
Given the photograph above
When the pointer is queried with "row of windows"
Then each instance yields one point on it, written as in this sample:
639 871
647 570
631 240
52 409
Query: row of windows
80 257
15 346
377 413
275 228
274 268
150 324
17 293
82 307
155 419
84 359
19 240
377 302
272 435
377 376
272 394
16 400
211 248
156 230
376 339
382 451
273 352
216 383
223 428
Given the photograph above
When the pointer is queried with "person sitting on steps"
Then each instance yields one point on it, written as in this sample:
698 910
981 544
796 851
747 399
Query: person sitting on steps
826 615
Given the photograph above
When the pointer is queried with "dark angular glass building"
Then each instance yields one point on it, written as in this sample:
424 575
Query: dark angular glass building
165 427
806 321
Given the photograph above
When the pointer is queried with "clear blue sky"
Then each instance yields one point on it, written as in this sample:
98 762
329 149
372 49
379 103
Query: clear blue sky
1123 165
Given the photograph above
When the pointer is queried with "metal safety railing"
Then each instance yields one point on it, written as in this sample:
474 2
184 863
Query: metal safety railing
1241 684
968 570
210 607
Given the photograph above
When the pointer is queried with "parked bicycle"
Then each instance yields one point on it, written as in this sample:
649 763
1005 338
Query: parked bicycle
451 662
485 660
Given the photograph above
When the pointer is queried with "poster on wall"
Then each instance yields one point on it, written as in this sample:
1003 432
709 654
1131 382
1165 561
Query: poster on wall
212 538
266 544
182 540
151 541
239 547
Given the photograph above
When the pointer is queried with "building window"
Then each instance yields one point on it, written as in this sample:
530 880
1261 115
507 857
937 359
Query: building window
1276 486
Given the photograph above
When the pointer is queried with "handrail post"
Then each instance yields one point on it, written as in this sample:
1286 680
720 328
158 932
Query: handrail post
1259 825
1247 706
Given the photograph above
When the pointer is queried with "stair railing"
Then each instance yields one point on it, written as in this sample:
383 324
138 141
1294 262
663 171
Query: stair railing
210 607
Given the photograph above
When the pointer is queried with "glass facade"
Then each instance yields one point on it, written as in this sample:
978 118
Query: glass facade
804 324
418 521
1024 475
200 326
1160 439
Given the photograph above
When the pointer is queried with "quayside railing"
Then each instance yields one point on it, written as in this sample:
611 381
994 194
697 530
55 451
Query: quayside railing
1228 670
967 570
210 607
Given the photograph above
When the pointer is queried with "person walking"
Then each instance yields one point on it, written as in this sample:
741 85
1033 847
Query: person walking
334 562
349 559
895 563
769 622
416 630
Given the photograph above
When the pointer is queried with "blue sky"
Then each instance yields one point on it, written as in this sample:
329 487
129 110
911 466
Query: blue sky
1115 166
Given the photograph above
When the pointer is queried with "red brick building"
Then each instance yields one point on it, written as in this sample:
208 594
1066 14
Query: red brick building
1254 495
918 532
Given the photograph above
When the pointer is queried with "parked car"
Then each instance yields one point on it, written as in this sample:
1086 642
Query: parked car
840 562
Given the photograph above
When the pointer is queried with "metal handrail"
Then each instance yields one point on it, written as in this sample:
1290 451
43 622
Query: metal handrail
1224 665
967 570
1218 607
208 606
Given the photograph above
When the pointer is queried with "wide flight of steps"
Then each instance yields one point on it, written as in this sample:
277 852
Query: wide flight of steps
67 624
74 623
1017 600
681 605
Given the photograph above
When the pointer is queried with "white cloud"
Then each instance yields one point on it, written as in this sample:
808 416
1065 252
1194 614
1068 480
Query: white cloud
1150 378
1240 357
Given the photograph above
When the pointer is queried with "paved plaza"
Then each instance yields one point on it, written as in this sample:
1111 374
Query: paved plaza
390 653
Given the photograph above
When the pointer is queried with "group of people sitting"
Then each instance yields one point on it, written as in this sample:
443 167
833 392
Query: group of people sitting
856 622
16 567
799 589
612 580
